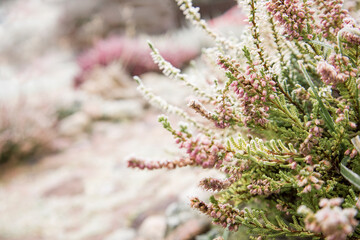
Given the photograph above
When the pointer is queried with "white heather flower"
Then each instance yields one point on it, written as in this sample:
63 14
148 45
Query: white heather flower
174 73
304 210
331 220
192 14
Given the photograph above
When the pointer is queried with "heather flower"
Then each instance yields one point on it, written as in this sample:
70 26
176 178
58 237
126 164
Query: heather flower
308 179
331 220
328 73
336 71
332 17
216 184
199 108
224 113
152 165
295 16
252 91
351 35
223 214
201 151
206 152
261 187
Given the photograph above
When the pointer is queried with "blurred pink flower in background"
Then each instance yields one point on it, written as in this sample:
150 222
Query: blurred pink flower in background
134 55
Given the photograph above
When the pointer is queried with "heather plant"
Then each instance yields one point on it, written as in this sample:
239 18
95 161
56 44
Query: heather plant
281 124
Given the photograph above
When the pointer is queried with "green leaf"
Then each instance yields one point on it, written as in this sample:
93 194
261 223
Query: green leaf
349 175
268 224
322 44
213 200
323 111
282 224
296 224
356 142
226 234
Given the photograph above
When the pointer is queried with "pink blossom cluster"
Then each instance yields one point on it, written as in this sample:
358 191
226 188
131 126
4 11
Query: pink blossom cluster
333 17
351 153
206 152
328 74
224 115
261 187
309 179
252 90
201 150
253 112
133 53
224 112
351 38
333 71
302 94
295 16
152 165
331 220
223 214
216 184
293 164
283 208
315 131
236 169
341 116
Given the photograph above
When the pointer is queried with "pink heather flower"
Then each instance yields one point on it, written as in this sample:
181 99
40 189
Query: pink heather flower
223 214
333 17
351 37
331 220
353 153
308 159
327 73
225 114
294 15
352 125
309 179
205 152
336 70
252 90
216 184
347 152
152 165
261 187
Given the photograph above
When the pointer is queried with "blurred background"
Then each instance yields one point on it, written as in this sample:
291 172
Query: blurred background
70 116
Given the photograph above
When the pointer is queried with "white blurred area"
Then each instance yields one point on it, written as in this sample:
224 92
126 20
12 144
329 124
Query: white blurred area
32 58
81 189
